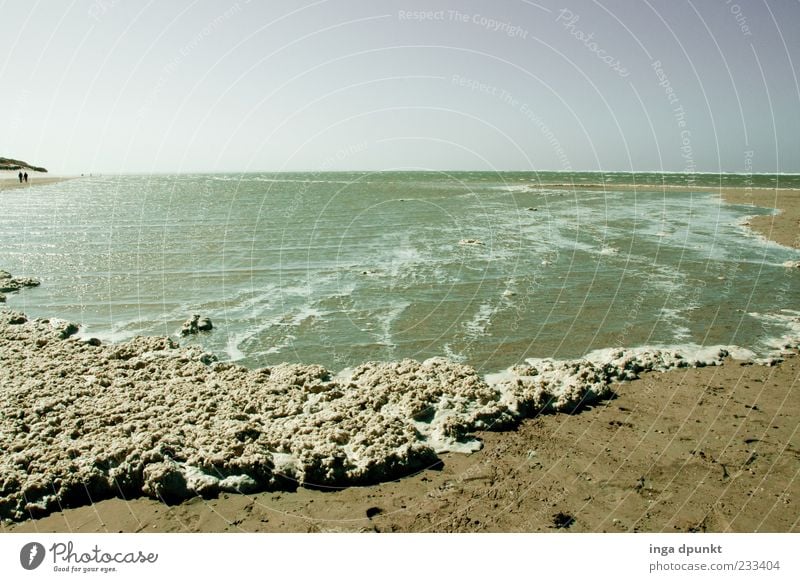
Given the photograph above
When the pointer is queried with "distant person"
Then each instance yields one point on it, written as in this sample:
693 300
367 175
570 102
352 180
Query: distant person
26 177
20 177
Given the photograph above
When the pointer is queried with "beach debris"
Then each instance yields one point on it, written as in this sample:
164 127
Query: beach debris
640 482
196 324
470 241
792 264
373 511
563 520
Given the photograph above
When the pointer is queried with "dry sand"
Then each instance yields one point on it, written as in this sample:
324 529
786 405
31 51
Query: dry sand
9 180
707 449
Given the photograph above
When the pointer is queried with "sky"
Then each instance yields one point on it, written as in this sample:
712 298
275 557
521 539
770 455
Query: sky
123 86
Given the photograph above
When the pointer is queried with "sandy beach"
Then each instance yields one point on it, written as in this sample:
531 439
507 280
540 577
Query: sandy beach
712 448
9 180
783 227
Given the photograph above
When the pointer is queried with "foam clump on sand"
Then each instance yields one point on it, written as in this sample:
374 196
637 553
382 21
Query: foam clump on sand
84 420
9 284
547 385
785 343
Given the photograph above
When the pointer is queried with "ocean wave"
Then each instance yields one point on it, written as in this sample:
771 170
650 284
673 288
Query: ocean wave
516 188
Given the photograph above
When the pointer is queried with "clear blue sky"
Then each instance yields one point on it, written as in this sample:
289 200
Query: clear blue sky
186 86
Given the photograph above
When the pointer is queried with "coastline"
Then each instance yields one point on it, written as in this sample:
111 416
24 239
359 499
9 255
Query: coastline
700 449
783 227
705 450
11 182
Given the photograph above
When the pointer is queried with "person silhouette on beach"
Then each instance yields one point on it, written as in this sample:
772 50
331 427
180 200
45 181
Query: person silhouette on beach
20 177
26 177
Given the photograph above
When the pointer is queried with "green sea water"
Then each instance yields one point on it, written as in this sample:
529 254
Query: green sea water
340 268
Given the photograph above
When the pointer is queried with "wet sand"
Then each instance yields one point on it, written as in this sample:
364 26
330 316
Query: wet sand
705 449
783 227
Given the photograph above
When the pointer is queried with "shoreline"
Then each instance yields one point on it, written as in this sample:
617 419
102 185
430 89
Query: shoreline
782 227
716 453
694 448
13 183
690 449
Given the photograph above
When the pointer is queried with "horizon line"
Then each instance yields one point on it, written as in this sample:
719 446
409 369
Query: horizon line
410 171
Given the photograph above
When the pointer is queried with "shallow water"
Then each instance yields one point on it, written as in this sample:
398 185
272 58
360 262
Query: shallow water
341 268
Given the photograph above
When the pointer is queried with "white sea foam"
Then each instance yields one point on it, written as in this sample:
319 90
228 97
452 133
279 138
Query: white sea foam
516 188
664 357
476 327
788 338
452 355
297 180
678 322
285 464
204 426
386 320
119 332
232 349
281 323
235 341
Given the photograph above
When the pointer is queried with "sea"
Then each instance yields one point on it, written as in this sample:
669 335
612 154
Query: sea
338 269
